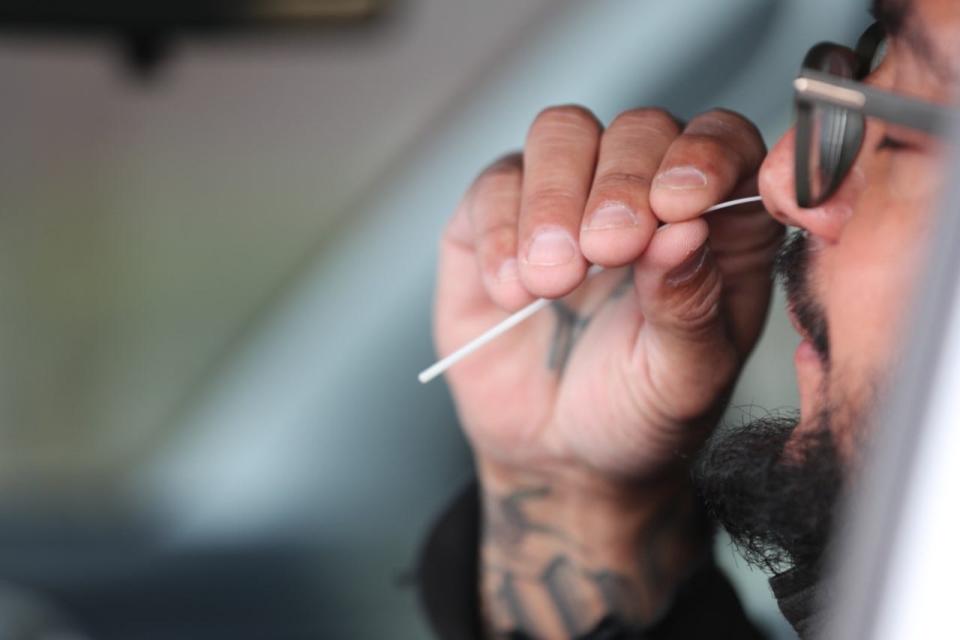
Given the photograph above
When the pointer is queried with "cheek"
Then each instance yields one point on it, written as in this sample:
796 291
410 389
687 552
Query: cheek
864 307
870 276
869 282
911 181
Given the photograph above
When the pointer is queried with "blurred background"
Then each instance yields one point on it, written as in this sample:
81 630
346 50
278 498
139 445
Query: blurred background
217 241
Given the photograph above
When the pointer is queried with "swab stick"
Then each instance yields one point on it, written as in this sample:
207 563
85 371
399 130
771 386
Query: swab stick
499 329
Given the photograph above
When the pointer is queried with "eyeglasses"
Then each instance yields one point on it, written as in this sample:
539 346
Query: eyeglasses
832 106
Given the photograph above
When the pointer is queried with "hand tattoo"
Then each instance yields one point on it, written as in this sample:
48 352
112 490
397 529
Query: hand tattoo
571 324
565 334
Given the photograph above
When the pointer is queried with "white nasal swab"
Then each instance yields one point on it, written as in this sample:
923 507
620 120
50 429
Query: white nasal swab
499 329
493 332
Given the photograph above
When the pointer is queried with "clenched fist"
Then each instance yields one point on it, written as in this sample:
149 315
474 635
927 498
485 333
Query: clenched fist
633 366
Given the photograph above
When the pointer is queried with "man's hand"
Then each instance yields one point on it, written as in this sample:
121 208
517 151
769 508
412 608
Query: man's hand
580 417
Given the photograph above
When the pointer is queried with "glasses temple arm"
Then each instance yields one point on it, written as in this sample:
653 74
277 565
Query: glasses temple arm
917 114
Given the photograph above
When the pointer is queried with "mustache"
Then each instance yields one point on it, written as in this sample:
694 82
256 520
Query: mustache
791 269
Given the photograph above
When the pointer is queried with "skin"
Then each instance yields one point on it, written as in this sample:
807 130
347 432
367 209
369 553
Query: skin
583 420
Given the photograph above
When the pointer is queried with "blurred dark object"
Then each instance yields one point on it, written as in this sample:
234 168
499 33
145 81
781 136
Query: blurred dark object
25 615
177 13
147 27
89 578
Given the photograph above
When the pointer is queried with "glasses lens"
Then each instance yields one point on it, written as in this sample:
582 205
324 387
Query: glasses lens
828 137
826 153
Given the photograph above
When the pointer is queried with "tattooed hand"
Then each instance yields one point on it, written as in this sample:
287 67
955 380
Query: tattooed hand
603 395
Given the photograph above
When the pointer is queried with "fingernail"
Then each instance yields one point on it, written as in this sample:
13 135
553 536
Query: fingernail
613 215
688 269
508 271
681 178
551 247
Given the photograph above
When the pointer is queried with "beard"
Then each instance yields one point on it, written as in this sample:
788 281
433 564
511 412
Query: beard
776 501
773 488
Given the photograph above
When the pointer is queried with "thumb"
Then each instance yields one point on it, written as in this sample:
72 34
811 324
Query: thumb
684 338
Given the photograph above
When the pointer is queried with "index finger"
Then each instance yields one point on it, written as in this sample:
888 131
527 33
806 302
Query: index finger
716 152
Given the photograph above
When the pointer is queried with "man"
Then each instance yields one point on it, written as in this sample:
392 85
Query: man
585 422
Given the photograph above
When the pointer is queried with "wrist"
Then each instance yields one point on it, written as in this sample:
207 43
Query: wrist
582 502
566 545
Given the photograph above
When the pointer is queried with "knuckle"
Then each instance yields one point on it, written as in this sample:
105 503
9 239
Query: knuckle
619 182
509 164
712 155
500 181
499 239
567 115
505 169
549 202
650 118
730 126
723 120
700 312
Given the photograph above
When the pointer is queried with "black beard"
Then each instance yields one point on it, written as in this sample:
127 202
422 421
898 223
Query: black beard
791 268
777 507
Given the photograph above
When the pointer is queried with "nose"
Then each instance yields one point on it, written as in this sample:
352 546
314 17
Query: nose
778 189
